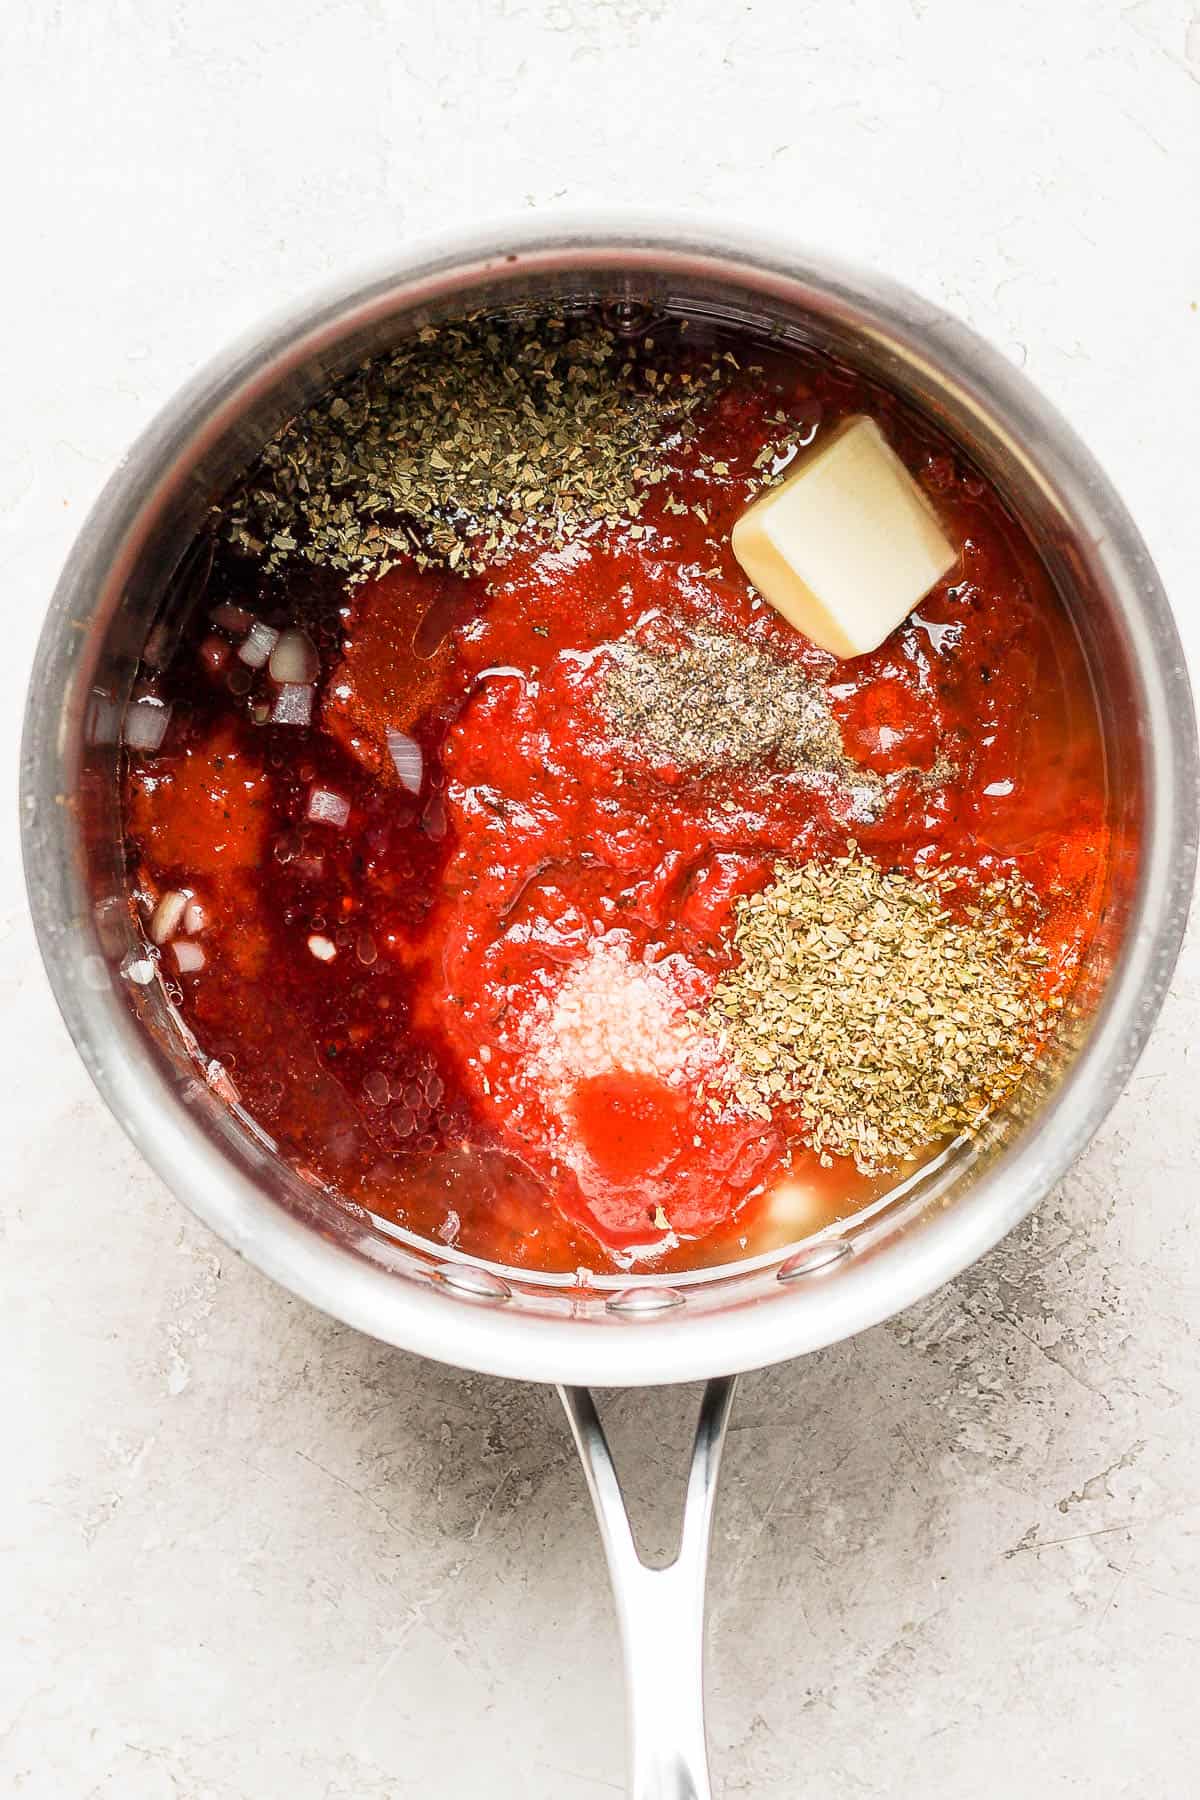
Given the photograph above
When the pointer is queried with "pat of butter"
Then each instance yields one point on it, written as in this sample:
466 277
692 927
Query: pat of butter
847 545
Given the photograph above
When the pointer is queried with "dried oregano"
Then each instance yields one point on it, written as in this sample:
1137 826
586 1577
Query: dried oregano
887 1017
470 436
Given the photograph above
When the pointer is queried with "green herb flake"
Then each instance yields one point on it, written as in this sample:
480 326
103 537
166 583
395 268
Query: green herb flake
472 437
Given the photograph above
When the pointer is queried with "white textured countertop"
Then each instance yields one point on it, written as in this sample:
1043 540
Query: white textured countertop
247 1553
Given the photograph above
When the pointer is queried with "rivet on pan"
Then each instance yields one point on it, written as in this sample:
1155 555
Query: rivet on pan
817 1256
630 318
476 1284
637 1302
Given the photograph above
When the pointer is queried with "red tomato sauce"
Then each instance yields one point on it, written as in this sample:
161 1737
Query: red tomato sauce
414 1064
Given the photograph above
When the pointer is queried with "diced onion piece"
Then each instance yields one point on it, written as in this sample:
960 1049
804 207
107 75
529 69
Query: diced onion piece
195 917
189 956
327 808
293 706
232 618
222 1083
146 724
294 661
139 969
260 641
322 948
167 915
408 758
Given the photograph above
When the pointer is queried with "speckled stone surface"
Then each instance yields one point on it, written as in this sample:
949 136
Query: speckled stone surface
247 1553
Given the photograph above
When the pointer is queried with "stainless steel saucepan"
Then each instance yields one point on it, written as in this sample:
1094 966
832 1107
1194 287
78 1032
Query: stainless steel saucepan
111 608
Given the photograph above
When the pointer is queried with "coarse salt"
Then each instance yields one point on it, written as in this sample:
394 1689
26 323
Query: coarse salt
611 1013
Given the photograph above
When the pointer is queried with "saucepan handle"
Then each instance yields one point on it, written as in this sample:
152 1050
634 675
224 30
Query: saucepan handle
660 1611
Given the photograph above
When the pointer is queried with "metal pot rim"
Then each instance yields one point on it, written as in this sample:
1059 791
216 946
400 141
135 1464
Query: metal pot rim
677 1344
